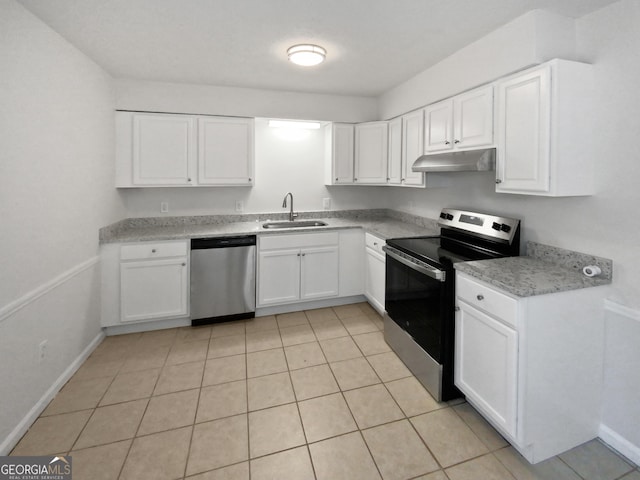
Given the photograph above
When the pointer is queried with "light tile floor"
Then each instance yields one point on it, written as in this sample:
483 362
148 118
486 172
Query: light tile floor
305 395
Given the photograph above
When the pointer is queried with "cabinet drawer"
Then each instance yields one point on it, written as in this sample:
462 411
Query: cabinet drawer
268 242
487 299
374 243
153 250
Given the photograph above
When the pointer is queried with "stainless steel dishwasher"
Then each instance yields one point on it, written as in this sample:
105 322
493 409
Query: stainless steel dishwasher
223 279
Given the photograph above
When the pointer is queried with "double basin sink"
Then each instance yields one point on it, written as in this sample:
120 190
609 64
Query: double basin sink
294 224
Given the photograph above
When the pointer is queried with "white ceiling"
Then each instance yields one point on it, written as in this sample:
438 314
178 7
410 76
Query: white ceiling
372 45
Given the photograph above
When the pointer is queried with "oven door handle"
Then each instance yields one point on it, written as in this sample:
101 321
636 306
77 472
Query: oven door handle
421 267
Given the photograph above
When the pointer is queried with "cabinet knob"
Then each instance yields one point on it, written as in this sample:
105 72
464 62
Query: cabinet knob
336 179
402 180
447 142
456 308
498 180
456 141
303 254
355 179
249 180
153 250
188 180
298 254
480 296
388 179
184 264
375 244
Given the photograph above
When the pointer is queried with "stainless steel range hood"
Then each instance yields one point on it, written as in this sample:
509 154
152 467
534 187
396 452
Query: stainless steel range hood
470 160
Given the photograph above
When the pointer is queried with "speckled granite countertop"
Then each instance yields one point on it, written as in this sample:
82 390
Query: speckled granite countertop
544 270
383 223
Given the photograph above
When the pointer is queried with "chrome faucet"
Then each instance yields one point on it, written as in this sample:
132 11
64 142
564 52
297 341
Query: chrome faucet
292 215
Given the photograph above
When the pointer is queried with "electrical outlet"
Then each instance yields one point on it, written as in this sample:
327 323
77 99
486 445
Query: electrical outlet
42 350
239 206
164 207
326 203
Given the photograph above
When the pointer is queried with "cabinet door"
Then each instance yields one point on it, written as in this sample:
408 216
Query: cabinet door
524 123
473 118
225 155
412 146
164 149
394 176
342 153
319 273
438 127
153 289
278 276
486 365
374 280
371 153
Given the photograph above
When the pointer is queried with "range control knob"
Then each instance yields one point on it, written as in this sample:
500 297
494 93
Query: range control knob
496 226
449 216
443 215
505 228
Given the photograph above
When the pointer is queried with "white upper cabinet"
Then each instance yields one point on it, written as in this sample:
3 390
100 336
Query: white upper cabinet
462 122
412 147
163 149
225 147
438 127
339 138
154 149
473 118
371 153
544 131
394 175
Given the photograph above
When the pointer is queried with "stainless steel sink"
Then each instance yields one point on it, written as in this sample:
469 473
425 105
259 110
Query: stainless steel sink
294 224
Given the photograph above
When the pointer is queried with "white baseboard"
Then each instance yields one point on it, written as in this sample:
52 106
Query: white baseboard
146 326
14 437
620 444
296 307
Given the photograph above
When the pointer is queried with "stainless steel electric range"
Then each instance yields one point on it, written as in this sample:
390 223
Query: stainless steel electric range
420 290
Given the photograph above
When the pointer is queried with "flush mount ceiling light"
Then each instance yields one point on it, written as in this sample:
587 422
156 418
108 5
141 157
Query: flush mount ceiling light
306 55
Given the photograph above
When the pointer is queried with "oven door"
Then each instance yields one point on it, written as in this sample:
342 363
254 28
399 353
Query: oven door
416 299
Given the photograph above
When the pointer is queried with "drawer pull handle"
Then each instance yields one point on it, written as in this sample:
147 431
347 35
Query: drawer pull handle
480 297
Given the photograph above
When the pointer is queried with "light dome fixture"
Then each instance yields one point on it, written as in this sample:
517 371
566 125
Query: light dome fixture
306 55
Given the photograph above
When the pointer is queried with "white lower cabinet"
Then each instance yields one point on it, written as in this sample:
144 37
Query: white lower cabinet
486 364
532 366
297 267
375 271
279 276
153 289
145 281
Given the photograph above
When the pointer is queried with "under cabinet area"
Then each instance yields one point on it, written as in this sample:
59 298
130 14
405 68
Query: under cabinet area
545 130
532 366
145 281
460 123
155 150
374 271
